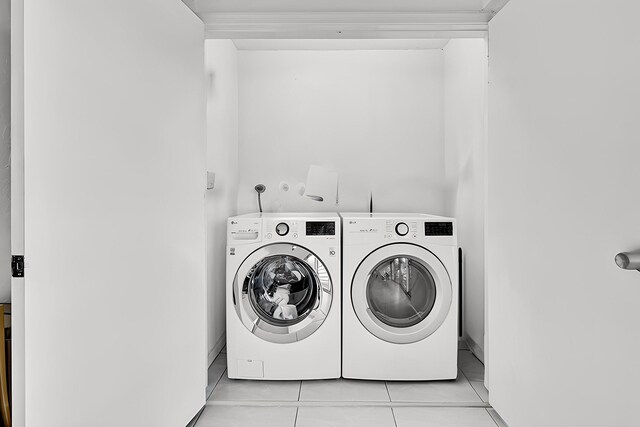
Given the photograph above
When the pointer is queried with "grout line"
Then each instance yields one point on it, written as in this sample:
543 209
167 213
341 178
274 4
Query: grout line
488 412
370 404
388 392
495 416
210 390
476 357
295 421
471 384
393 414
216 385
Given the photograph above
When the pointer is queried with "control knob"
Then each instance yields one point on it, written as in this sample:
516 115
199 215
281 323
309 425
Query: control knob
282 229
402 229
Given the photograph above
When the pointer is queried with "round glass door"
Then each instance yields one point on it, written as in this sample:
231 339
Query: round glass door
282 289
401 293
282 293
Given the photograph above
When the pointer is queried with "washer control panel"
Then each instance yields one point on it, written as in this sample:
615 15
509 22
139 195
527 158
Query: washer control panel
281 229
320 228
243 229
291 230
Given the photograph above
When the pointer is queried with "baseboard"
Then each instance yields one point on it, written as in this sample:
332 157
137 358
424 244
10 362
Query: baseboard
217 348
475 348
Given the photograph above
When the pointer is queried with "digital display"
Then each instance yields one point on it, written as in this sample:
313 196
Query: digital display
321 228
438 229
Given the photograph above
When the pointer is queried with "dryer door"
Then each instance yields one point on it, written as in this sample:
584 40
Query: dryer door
282 293
401 293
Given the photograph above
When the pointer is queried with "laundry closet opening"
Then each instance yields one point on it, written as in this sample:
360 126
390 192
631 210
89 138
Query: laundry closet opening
401 122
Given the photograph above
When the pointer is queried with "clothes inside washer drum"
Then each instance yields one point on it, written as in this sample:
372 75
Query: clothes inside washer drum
283 289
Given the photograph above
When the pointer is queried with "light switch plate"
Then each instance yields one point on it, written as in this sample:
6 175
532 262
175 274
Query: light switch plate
211 180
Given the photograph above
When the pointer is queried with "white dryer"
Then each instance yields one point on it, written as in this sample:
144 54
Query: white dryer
283 296
400 311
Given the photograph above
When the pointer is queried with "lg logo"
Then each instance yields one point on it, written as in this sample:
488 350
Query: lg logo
332 252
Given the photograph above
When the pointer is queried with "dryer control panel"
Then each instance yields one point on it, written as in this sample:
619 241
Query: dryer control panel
372 229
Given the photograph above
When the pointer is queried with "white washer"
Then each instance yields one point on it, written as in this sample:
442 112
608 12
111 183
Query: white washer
400 312
283 296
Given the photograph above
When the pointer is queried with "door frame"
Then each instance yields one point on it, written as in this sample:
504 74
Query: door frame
17 213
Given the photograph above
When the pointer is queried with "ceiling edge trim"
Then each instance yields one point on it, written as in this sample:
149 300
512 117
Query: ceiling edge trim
346 25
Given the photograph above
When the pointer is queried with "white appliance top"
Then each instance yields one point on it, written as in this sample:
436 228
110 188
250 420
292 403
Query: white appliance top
395 216
290 215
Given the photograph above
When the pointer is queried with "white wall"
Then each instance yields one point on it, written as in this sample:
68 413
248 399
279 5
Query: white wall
5 151
562 201
222 158
465 106
375 117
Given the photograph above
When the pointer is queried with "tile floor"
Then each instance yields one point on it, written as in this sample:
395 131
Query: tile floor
350 403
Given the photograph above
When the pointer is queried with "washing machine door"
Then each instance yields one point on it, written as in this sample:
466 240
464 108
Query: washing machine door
401 293
282 293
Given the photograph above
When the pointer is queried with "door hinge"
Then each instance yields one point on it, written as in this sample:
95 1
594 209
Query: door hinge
17 265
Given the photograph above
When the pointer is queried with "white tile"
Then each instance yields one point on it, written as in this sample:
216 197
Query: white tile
471 366
245 416
344 417
216 370
442 417
250 390
342 390
433 391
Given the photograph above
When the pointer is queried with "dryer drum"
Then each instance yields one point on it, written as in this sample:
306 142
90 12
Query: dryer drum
400 292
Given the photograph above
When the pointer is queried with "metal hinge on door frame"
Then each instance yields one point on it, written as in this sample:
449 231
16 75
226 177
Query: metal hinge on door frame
17 265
